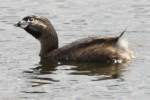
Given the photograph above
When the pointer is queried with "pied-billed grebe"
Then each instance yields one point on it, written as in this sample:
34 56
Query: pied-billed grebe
92 49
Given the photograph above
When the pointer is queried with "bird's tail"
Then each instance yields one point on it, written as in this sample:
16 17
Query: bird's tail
122 33
122 42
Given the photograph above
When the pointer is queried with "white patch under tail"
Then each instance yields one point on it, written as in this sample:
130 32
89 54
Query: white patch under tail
122 43
118 61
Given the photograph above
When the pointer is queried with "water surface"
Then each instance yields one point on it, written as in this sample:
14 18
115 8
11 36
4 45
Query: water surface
22 78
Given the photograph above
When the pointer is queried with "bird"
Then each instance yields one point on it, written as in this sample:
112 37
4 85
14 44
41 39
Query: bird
99 49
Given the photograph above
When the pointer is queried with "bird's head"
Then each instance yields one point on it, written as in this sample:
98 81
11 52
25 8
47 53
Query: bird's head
36 26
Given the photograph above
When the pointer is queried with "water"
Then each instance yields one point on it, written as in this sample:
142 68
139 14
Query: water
21 78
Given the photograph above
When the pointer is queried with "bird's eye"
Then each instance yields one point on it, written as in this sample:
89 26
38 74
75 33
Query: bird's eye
30 19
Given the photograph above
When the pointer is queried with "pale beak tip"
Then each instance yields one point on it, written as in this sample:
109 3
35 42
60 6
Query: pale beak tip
17 24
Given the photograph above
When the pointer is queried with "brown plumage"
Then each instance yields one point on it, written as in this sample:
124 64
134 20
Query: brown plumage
92 49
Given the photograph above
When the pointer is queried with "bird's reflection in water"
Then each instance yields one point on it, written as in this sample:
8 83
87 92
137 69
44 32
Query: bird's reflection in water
103 71
48 74
41 75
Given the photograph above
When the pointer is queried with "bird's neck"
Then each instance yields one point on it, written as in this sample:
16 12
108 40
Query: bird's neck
49 42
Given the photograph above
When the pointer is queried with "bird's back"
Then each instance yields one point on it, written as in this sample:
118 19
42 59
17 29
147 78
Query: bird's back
92 49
